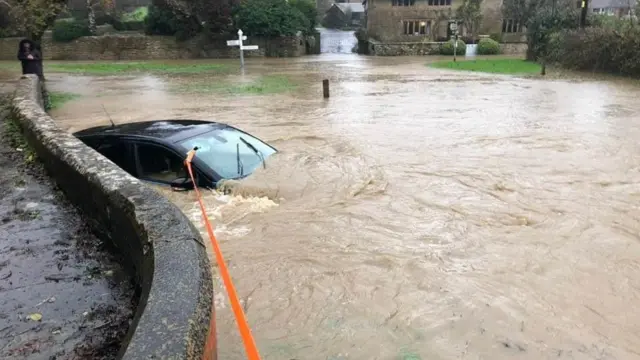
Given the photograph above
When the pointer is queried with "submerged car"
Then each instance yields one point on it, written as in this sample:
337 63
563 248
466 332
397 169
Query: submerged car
155 151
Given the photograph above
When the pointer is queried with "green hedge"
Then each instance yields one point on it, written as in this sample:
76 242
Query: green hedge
447 48
66 30
128 25
488 47
603 49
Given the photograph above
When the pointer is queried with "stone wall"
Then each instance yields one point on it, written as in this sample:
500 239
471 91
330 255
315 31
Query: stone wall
429 48
403 48
513 49
164 252
132 46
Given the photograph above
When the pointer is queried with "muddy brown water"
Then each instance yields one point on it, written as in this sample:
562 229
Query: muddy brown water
417 213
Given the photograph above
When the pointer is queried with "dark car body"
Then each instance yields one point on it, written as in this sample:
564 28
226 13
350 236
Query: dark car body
155 150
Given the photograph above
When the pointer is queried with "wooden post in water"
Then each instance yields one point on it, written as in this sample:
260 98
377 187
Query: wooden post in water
325 88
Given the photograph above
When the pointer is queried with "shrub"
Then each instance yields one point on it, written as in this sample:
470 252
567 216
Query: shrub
497 37
128 25
447 48
488 47
138 15
308 9
270 18
160 21
66 30
602 49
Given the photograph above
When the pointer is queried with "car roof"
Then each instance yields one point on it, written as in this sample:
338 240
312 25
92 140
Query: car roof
167 130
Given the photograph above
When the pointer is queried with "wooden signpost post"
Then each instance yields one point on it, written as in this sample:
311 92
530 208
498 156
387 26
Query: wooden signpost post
241 46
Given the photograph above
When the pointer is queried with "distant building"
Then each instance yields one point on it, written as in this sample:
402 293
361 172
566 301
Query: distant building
344 14
619 8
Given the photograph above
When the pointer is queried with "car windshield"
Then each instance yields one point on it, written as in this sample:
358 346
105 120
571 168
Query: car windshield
221 149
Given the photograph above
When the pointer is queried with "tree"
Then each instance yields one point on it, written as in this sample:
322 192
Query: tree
34 17
270 18
471 15
213 16
308 8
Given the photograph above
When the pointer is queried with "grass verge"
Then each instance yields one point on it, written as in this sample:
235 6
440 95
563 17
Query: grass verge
263 85
57 99
116 68
494 66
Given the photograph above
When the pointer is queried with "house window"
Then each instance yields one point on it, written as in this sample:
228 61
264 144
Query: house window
416 27
439 2
511 26
403 2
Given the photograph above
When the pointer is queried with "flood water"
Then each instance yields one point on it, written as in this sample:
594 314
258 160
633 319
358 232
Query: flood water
417 213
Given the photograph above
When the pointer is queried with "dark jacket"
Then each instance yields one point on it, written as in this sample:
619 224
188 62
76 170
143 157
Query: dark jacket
30 66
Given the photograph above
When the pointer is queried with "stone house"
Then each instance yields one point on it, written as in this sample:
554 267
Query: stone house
342 15
619 8
425 20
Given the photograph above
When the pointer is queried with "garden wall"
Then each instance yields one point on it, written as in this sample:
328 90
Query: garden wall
131 46
430 48
163 251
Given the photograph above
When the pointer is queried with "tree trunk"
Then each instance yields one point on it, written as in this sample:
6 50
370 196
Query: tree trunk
91 15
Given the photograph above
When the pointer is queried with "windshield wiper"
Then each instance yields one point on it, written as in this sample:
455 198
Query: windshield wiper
253 148
240 166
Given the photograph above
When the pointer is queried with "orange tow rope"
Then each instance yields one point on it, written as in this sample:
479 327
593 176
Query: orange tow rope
249 343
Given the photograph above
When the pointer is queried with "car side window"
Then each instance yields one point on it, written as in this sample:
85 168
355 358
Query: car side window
160 164
116 151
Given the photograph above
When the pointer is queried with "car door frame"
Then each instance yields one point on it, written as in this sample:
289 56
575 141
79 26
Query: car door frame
200 177
107 139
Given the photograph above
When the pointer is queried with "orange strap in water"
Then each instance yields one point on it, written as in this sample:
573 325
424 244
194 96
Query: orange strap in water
249 343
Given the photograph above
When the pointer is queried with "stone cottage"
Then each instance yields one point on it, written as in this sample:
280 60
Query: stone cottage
422 20
342 15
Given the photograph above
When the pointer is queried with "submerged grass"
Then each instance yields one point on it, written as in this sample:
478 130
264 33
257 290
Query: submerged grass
494 66
114 68
57 99
263 85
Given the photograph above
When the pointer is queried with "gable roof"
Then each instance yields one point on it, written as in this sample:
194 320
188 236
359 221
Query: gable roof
354 7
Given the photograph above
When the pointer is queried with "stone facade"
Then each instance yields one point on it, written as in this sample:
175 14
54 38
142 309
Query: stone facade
387 20
133 46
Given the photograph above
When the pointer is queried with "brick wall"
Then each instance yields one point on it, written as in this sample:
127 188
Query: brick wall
142 47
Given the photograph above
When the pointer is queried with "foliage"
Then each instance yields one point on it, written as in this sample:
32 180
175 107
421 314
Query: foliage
129 25
34 17
308 8
488 47
67 30
138 15
270 18
470 14
541 25
497 37
160 21
212 17
447 48
496 66
613 49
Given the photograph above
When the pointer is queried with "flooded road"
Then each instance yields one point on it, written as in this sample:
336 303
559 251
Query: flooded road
417 213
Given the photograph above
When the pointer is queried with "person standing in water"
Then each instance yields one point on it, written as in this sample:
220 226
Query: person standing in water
30 57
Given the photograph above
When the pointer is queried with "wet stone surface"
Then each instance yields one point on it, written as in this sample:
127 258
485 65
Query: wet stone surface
64 296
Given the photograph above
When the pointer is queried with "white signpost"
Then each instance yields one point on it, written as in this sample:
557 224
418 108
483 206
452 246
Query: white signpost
242 47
